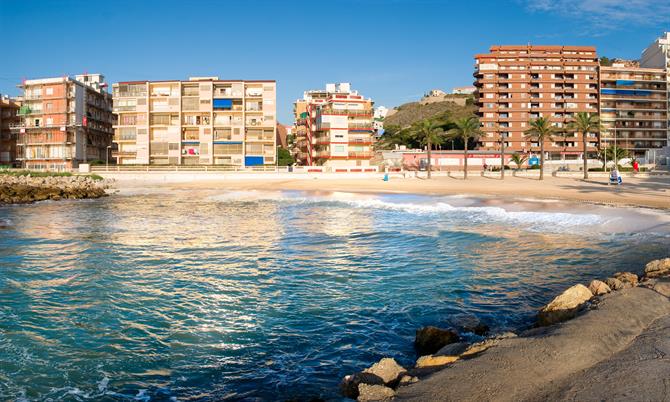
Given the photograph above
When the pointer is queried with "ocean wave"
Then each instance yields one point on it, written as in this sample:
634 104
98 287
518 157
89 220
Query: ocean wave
480 214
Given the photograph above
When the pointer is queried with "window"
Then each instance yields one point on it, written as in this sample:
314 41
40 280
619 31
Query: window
49 91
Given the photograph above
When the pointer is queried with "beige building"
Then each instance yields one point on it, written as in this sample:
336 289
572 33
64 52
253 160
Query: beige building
64 121
333 127
633 108
202 121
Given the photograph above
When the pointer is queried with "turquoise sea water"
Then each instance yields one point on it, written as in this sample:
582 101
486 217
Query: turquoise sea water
177 295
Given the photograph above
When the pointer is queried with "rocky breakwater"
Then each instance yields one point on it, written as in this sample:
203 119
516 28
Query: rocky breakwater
27 189
607 340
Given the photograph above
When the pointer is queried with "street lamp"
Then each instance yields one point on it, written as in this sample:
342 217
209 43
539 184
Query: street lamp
107 157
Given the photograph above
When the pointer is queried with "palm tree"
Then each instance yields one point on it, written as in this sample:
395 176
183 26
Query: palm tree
518 160
540 130
585 123
465 129
428 132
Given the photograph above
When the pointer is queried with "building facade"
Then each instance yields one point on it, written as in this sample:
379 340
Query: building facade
64 121
516 84
9 109
334 127
633 108
657 56
202 121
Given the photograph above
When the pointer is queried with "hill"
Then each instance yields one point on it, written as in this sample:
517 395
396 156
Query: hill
410 113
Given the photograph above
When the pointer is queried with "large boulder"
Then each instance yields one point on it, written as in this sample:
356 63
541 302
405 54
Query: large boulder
350 383
369 393
565 306
388 370
614 284
431 339
657 268
599 288
628 278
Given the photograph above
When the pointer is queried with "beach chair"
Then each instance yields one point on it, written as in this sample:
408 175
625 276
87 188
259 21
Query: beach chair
615 178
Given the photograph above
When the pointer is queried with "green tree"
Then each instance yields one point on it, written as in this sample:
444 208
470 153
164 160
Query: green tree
518 160
612 153
428 132
585 123
465 128
541 130
284 157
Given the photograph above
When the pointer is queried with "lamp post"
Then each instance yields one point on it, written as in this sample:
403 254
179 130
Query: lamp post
107 157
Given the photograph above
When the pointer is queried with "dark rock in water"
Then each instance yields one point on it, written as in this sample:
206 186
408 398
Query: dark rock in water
470 323
657 268
349 384
27 189
431 339
370 393
628 278
614 283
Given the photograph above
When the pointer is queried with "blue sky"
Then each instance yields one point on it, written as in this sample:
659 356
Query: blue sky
390 50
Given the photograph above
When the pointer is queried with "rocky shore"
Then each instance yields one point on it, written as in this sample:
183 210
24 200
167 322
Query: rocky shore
27 189
609 340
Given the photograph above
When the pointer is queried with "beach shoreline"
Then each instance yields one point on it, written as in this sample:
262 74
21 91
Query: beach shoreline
649 192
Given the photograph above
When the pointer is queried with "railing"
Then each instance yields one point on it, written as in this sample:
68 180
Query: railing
361 154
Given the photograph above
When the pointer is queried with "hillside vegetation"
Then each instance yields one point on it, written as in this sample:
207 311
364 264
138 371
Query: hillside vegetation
413 112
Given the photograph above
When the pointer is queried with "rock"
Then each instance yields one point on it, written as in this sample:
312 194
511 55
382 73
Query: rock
661 286
350 383
470 323
599 288
453 349
627 278
614 284
431 339
374 393
479 347
388 370
434 361
407 380
565 306
657 268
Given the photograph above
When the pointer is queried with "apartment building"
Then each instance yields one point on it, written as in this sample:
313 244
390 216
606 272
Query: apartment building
516 84
333 127
633 107
657 56
64 121
9 117
202 121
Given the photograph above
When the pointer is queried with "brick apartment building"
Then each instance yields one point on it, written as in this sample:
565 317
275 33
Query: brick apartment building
64 121
518 83
9 118
202 121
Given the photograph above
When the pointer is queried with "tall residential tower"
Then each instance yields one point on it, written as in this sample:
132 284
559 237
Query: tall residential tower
516 84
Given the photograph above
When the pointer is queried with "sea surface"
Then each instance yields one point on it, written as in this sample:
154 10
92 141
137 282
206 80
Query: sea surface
206 295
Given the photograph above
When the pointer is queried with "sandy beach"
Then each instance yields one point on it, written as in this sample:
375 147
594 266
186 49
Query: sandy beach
651 192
